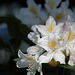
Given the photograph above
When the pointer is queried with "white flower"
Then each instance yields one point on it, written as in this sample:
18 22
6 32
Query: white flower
46 33
72 53
30 60
33 14
51 5
60 14
53 58
46 29
50 37
69 38
29 15
43 30
54 45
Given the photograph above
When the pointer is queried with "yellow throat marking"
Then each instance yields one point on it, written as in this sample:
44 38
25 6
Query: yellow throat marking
29 58
33 10
70 35
52 44
50 28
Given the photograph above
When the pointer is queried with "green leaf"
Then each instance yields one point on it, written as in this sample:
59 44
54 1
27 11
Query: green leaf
16 28
17 59
67 67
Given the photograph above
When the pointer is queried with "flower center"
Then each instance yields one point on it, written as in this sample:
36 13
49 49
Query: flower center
50 28
52 44
29 58
33 10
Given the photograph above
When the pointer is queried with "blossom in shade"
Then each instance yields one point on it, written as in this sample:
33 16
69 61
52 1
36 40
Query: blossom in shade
30 60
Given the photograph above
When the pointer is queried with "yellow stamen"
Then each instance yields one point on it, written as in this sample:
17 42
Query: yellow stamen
52 44
33 10
51 4
61 39
29 58
50 28
70 35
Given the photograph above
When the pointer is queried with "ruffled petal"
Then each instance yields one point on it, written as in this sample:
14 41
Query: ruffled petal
22 63
59 56
50 21
20 54
42 29
45 58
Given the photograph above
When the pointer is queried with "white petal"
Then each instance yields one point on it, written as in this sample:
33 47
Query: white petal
42 29
55 2
45 58
24 11
31 3
22 63
59 56
34 50
41 73
43 15
38 7
33 37
65 4
71 63
72 58
20 54
58 29
29 73
47 8
43 42
50 21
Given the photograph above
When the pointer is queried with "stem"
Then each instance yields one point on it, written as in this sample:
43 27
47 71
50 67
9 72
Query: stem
57 71
64 71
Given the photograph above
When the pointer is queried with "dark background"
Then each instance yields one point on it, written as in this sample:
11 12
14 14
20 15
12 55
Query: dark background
23 2
10 68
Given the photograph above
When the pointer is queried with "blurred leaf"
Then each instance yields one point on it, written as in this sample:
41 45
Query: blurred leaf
67 67
16 29
17 59
3 19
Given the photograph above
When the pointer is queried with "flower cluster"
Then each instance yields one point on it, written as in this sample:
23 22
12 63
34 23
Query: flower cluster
54 44
36 14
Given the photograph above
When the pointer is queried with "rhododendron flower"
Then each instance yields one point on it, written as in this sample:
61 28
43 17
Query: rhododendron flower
30 60
33 14
51 40
51 5
60 14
